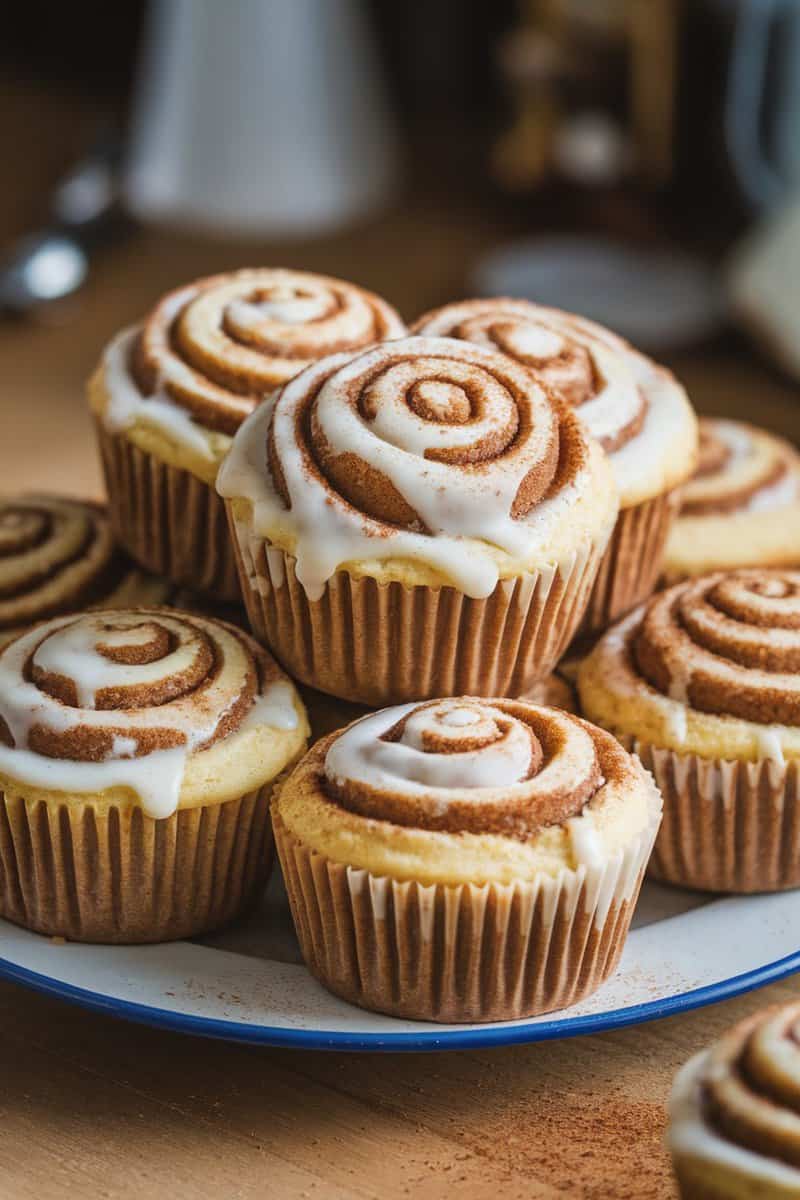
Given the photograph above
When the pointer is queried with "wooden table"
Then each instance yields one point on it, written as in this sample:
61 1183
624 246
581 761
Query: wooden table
93 1107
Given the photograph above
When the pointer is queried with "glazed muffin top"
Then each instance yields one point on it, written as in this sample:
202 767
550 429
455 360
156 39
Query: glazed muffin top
57 555
183 381
709 666
467 790
147 706
636 410
735 1108
427 460
745 476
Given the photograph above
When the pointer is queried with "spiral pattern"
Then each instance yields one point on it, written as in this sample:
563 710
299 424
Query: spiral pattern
408 450
56 555
741 469
586 365
216 347
124 696
727 644
750 1085
468 765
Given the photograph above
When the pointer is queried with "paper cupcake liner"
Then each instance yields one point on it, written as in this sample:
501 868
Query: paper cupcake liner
380 643
112 874
632 563
728 826
167 519
460 953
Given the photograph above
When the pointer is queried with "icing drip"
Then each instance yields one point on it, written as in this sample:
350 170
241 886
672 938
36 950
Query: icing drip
209 352
742 469
469 765
121 699
424 449
738 1104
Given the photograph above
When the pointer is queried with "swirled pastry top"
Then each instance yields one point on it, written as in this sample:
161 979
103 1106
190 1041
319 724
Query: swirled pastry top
710 666
152 703
729 517
735 1108
209 352
469 790
634 408
424 459
58 555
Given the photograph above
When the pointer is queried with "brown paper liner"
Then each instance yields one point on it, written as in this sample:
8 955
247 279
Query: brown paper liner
632 563
460 953
383 643
116 875
168 519
728 826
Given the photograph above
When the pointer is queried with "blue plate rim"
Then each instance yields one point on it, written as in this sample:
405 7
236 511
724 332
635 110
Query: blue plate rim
474 1037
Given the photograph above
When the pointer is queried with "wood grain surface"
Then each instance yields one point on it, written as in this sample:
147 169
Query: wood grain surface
92 1107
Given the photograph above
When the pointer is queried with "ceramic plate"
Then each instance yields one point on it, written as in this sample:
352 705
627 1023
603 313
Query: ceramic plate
249 983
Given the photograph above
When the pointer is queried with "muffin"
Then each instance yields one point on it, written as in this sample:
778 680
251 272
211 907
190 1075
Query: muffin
742 508
170 393
637 411
420 519
465 859
702 683
734 1113
139 750
58 555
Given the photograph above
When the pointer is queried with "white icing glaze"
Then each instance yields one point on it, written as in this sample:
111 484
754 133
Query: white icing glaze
126 404
466 512
587 845
691 1135
67 646
362 755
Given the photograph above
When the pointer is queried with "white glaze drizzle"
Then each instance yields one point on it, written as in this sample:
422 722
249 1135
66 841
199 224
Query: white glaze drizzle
360 754
156 777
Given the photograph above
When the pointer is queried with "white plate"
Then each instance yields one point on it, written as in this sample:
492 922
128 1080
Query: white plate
248 983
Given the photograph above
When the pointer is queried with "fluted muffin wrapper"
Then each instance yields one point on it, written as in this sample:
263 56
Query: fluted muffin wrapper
112 874
455 953
168 519
632 563
728 826
380 643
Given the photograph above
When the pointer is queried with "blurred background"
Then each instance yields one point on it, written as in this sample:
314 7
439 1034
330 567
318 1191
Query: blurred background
635 160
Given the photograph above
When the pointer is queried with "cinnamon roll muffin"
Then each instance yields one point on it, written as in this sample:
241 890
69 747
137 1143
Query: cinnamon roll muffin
58 555
465 859
138 754
636 410
169 395
742 508
702 683
421 519
735 1112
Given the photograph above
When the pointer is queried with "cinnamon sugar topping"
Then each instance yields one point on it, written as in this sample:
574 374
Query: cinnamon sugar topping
726 644
470 765
741 469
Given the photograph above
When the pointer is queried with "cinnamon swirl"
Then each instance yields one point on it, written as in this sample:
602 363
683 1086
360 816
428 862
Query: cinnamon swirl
421 517
702 682
58 555
636 410
742 507
169 395
735 1112
409 834
138 750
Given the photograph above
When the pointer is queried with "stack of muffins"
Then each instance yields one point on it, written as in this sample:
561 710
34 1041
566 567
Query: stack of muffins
420 522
